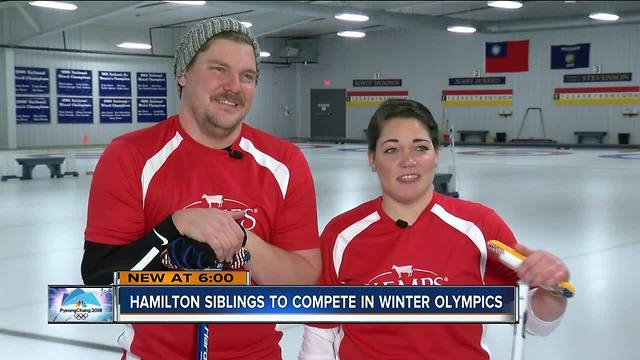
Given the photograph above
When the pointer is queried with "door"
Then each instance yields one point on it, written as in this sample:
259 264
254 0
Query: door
328 113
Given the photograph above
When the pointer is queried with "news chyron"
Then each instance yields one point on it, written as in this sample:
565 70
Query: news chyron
86 304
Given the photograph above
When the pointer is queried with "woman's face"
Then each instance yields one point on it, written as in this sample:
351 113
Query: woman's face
405 160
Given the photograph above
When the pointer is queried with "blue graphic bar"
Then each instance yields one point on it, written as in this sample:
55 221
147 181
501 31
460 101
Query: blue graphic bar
307 304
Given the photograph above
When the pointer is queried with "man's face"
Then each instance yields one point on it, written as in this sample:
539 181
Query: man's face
219 87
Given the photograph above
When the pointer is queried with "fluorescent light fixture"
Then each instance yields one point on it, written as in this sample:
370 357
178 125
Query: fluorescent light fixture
265 54
188 2
462 29
352 34
505 4
246 24
604 16
54 5
132 45
351 17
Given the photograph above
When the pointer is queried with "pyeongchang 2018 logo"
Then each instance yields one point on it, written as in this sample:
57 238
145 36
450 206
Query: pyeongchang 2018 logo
220 202
408 275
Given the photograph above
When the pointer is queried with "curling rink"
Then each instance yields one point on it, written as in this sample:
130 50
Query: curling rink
581 204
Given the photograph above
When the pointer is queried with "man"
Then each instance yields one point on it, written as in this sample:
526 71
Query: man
197 176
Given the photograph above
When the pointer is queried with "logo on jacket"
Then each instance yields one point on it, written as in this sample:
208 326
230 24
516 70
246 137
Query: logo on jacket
408 275
223 203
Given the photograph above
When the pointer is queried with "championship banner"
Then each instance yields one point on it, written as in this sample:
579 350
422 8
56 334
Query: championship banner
373 98
616 95
486 97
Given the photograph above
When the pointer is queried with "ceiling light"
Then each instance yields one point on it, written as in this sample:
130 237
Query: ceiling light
505 4
54 5
351 17
246 24
188 2
462 29
132 45
265 54
604 16
352 34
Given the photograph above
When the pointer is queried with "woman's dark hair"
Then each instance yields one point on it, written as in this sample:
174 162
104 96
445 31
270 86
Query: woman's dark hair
401 108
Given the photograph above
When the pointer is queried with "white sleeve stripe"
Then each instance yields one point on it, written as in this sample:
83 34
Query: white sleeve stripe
278 169
344 238
318 343
146 259
467 228
154 164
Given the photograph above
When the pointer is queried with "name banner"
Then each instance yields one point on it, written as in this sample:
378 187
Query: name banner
317 304
152 110
32 110
373 98
486 97
492 80
115 111
150 84
597 77
377 83
86 304
615 95
72 110
74 82
114 83
31 80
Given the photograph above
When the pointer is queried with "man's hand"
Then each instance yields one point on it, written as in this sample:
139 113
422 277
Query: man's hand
214 227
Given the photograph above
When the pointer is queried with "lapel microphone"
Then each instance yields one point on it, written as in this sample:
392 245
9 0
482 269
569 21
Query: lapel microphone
402 224
234 154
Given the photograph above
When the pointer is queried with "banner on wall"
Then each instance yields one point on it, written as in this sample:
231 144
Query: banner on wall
377 82
574 78
114 83
31 80
570 56
485 97
506 56
115 111
373 98
73 110
152 110
488 80
32 110
74 82
614 95
150 84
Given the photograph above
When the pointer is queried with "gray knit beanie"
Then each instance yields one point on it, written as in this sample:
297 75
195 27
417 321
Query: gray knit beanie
199 34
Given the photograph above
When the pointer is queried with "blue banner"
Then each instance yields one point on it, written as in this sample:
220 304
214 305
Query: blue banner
115 111
114 83
151 84
31 81
397 304
72 110
74 82
152 110
570 56
32 110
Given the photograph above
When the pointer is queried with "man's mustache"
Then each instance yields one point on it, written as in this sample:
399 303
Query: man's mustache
229 96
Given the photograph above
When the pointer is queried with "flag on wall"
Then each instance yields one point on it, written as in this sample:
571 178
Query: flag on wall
570 56
506 56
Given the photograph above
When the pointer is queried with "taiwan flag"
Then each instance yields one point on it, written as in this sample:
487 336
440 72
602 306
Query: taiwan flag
506 56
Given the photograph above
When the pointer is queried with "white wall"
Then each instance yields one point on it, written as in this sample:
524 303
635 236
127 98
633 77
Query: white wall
425 60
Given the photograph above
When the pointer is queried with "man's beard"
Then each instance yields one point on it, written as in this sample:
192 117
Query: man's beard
211 119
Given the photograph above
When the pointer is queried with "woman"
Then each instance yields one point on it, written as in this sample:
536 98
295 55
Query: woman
412 235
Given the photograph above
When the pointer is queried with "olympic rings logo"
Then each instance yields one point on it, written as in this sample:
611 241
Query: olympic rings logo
81 315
